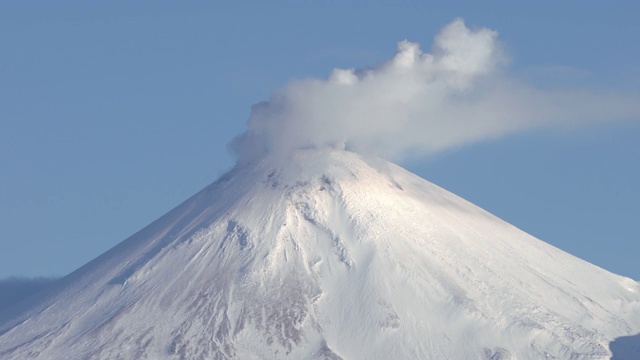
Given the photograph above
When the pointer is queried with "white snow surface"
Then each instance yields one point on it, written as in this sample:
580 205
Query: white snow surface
327 255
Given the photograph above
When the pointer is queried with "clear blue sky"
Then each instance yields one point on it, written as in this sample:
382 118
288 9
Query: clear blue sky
112 113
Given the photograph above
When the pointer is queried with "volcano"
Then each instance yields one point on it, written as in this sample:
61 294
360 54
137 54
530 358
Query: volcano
326 255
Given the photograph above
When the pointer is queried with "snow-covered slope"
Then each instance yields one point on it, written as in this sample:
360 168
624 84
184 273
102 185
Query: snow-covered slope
327 255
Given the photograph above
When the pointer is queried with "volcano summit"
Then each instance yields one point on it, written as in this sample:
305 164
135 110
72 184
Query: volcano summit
329 255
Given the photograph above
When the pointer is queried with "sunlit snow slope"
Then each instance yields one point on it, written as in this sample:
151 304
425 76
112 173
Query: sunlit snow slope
327 255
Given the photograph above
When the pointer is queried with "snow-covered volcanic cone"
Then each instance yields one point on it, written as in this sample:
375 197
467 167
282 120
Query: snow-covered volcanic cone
329 256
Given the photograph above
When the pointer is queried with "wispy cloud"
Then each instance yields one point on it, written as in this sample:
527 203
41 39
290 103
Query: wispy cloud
420 103
14 289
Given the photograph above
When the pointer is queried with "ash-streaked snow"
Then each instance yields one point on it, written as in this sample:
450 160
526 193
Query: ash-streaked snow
328 255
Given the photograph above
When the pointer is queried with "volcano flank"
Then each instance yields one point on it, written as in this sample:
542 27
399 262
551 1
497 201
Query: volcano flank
326 255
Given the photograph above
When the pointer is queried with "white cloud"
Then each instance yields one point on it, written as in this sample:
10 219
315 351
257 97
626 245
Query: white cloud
421 103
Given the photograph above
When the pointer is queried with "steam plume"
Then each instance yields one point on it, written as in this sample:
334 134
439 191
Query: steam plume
421 103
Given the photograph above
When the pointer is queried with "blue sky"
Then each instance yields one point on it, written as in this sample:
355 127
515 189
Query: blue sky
113 113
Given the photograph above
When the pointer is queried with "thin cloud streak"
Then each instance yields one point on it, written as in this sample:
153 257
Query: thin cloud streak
15 289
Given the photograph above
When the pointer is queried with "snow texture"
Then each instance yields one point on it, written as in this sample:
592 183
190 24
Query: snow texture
329 255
